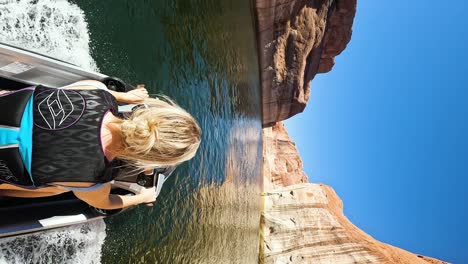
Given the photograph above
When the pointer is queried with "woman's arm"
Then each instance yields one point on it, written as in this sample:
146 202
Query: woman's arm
28 194
131 97
102 198
15 191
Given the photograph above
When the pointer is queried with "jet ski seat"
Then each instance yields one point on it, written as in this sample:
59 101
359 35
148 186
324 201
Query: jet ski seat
11 84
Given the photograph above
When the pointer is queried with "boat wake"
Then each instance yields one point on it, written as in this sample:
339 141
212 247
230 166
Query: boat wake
75 244
55 28
58 29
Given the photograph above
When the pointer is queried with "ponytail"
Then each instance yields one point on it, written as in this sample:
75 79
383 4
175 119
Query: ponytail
160 134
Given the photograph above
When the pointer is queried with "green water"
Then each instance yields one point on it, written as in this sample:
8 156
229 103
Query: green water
203 54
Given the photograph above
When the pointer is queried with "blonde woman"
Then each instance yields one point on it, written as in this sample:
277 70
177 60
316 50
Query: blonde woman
69 137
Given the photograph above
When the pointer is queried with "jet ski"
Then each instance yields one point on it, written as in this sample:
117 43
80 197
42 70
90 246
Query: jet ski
19 69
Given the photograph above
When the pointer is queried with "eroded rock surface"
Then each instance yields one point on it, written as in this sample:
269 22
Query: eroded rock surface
298 39
280 153
304 222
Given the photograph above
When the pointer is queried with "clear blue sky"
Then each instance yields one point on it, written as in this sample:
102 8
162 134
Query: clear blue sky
387 128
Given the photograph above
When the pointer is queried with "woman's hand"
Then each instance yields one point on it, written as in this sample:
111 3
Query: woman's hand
101 198
135 96
147 195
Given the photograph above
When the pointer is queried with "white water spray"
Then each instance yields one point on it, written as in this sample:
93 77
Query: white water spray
74 244
55 28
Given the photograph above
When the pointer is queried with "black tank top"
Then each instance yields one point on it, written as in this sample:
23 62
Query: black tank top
67 135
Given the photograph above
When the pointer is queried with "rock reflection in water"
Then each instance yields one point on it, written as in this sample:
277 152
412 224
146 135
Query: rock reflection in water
223 226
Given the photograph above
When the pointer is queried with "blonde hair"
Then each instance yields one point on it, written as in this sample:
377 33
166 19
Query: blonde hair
159 133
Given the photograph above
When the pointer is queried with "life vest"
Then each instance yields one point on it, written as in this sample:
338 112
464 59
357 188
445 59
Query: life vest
16 111
66 139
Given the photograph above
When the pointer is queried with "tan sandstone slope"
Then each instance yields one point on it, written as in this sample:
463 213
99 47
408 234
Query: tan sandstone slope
304 222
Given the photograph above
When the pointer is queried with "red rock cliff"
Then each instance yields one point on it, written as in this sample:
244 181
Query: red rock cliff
296 40
304 222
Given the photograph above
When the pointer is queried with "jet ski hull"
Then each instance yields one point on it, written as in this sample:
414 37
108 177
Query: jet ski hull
19 69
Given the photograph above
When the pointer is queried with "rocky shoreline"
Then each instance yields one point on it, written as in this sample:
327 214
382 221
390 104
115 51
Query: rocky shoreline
304 222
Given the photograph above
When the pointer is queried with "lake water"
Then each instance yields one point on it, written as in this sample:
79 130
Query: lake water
200 53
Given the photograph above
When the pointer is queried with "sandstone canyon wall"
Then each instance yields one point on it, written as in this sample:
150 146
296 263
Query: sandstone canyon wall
296 40
304 222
